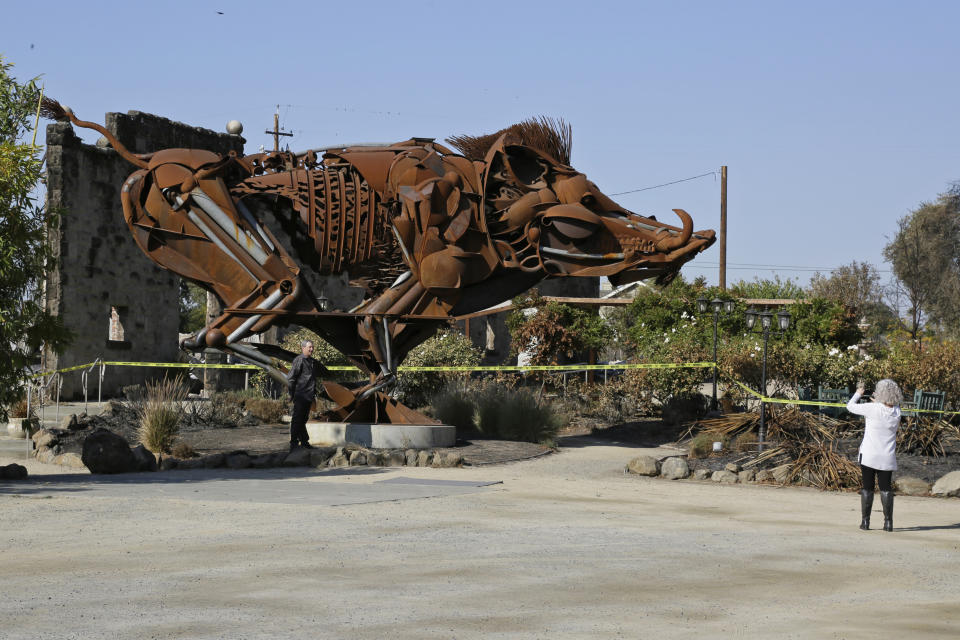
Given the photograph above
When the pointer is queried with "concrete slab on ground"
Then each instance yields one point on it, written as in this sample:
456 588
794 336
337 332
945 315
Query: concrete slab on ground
292 486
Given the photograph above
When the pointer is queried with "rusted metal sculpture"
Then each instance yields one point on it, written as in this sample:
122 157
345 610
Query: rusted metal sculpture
431 234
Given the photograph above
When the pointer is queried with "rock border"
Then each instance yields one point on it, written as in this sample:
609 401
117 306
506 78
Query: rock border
675 467
48 451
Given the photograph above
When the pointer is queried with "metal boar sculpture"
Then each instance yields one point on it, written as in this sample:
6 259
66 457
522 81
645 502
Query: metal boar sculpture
429 233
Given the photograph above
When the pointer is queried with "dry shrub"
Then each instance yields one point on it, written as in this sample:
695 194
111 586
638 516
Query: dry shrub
701 445
19 409
267 409
454 406
515 414
498 411
744 442
159 413
183 450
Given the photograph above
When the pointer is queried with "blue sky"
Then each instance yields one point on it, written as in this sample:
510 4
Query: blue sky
835 118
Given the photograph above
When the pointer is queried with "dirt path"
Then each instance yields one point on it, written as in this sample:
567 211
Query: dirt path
566 546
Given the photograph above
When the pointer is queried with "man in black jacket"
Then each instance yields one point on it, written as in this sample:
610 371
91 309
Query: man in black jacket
302 387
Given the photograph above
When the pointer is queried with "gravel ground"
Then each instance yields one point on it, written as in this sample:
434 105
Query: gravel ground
567 546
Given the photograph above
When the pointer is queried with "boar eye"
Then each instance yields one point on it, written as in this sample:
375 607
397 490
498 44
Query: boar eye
588 200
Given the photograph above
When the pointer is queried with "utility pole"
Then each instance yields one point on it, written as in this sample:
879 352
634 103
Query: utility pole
723 228
276 133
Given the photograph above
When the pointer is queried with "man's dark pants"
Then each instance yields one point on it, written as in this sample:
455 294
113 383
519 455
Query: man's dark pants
298 421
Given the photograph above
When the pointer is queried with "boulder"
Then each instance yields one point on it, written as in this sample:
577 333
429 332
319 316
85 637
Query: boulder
423 458
339 459
297 458
733 467
46 455
191 463
320 456
702 474
747 475
70 460
238 460
44 438
374 458
213 460
262 461
436 461
169 463
146 461
358 459
644 466
782 473
395 458
13 472
911 486
948 485
451 459
410 457
106 452
764 475
675 468
69 422
726 477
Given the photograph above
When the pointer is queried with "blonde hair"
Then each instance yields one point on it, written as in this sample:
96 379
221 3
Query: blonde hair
887 392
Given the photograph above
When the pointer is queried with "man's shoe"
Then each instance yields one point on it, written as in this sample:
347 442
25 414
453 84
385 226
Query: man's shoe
866 504
306 445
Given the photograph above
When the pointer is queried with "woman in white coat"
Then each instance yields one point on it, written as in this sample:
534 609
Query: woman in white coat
878 450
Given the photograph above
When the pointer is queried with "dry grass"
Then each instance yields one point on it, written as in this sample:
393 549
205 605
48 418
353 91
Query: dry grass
160 412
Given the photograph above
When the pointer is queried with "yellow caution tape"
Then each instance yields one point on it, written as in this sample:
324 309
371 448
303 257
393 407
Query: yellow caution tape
561 367
817 403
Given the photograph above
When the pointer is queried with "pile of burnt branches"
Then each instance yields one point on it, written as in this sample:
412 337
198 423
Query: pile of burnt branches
807 442
925 436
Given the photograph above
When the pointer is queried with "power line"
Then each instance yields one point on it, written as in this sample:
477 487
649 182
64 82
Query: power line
745 266
666 184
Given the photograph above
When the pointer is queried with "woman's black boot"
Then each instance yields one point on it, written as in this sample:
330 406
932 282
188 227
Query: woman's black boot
886 499
866 504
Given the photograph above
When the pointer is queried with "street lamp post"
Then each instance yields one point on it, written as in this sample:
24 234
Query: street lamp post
766 321
714 305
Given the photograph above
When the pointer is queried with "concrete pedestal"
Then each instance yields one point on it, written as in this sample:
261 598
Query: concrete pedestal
383 436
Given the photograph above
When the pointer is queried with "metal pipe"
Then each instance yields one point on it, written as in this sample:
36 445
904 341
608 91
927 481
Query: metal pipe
59 384
242 208
195 219
582 256
249 322
224 221
763 393
386 340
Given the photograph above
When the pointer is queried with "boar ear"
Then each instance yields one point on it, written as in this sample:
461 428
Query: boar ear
511 162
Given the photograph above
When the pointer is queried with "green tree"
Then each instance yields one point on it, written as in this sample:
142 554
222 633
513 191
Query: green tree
925 256
767 288
193 307
24 252
857 286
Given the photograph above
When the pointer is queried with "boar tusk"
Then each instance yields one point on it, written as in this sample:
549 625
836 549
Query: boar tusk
669 241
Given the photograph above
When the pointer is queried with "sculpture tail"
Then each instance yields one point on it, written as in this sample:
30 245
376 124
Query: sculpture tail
53 110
